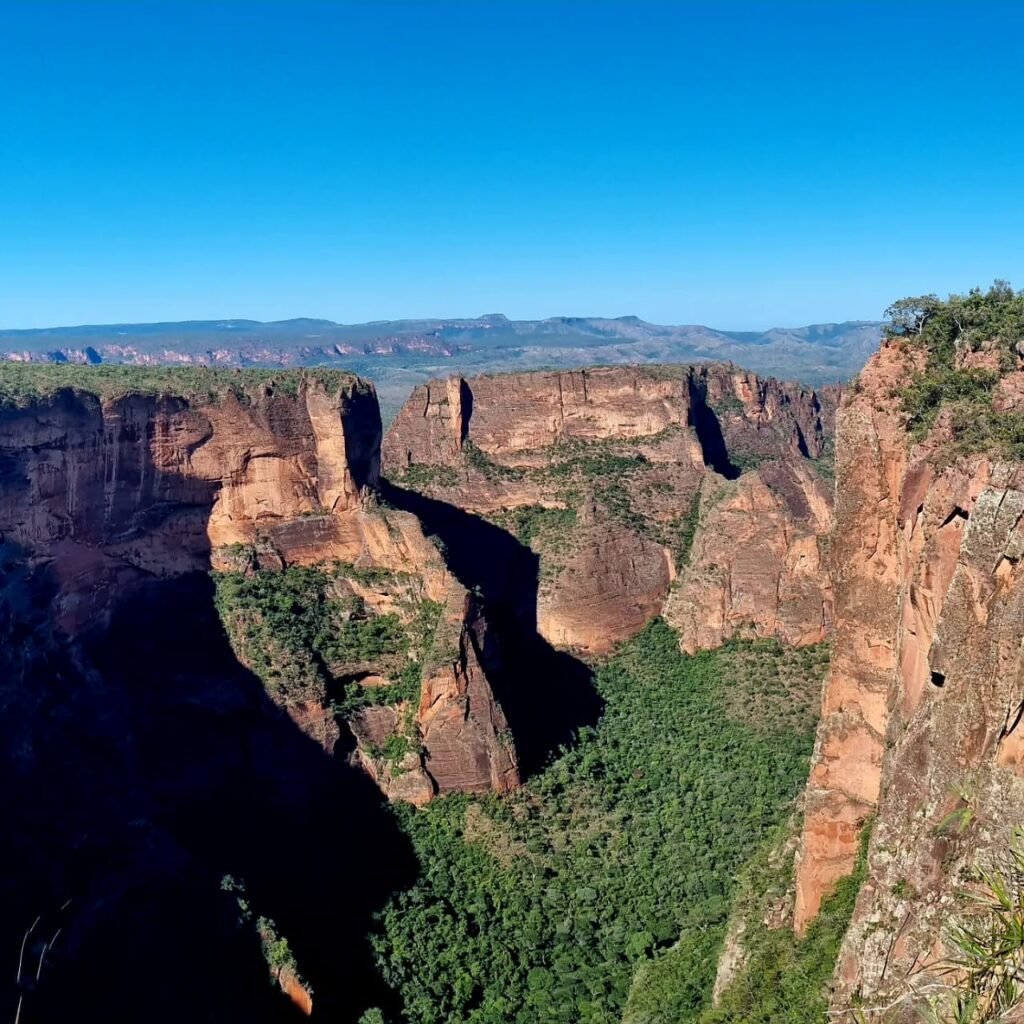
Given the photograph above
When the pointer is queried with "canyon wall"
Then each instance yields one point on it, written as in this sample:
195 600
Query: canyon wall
920 730
695 492
152 772
105 493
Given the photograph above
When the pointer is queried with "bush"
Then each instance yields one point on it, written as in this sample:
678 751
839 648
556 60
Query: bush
301 638
947 330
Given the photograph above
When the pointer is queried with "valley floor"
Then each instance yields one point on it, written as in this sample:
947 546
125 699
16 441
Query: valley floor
601 891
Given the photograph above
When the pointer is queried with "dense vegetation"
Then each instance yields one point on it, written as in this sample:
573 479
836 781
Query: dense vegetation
22 382
621 854
308 634
986 327
785 978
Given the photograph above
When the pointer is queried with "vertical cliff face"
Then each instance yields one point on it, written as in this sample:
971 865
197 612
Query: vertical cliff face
921 713
181 474
109 491
692 491
758 562
514 417
164 737
842 791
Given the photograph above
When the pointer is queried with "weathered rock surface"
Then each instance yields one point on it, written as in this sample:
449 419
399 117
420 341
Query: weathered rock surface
109 492
628 452
469 745
161 480
758 564
921 713
513 417
146 766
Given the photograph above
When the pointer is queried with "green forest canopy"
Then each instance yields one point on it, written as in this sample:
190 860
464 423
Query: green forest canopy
544 906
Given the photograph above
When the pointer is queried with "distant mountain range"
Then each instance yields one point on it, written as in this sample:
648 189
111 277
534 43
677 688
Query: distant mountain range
398 354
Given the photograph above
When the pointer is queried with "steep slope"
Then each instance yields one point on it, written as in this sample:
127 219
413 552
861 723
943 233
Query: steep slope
921 715
169 792
117 489
690 490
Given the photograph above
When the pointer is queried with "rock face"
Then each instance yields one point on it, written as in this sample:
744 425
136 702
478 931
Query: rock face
159 481
109 492
513 417
147 765
704 475
921 713
465 732
758 563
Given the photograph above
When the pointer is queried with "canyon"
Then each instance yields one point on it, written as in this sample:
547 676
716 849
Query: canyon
120 505
631 484
248 633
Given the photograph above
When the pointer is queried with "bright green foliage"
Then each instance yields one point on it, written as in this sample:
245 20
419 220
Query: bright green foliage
543 906
300 632
275 948
825 463
22 382
666 989
991 321
788 691
786 978
480 460
728 405
679 534
535 523
596 460
421 475
987 945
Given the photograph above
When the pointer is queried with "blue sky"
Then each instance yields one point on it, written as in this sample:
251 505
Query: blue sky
733 163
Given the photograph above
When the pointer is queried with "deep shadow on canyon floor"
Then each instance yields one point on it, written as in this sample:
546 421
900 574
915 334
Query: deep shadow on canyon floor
144 764
147 764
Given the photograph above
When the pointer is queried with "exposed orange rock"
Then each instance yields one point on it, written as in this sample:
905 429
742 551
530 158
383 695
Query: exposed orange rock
469 747
296 991
921 712
608 589
842 790
489 444
111 491
162 480
758 561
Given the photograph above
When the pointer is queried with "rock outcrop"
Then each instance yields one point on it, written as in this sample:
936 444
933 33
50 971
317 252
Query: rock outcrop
759 561
703 475
921 713
159 480
108 492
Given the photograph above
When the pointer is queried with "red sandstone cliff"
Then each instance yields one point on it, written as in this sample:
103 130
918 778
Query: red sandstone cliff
639 458
109 492
921 711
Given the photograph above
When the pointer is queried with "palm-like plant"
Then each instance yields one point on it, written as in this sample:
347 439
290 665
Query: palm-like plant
986 962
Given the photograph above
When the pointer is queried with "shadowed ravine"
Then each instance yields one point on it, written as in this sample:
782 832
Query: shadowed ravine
142 763
162 767
547 695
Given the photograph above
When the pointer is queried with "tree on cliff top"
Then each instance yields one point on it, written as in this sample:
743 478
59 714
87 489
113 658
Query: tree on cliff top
989 319
989 322
907 317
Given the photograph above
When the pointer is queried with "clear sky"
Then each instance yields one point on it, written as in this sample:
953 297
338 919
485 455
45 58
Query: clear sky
740 164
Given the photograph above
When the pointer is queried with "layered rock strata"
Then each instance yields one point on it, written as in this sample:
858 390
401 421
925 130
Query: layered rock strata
108 492
704 476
